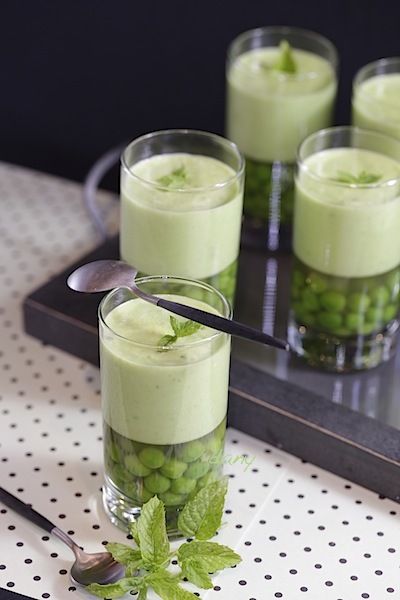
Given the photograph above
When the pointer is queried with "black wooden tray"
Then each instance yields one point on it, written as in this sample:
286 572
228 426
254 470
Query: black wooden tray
291 416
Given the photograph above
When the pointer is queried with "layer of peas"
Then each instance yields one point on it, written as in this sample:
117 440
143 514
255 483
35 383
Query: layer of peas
264 179
175 472
343 306
224 281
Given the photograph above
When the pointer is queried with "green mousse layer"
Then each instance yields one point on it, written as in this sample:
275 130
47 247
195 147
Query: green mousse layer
376 104
348 229
269 112
180 215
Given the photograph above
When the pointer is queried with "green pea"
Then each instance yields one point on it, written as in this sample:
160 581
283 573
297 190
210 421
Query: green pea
207 479
183 485
153 458
328 320
317 283
306 318
374 314
389 313
354 321
119 475
114 452
213 445
171 499
190 451
342 332
298 278
157 483
367 328
333 301
309 301
358 302
173 468
197 469
134 466
145 495
379 295
393 281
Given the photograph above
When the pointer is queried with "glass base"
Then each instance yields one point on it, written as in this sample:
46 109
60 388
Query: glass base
122 513
268 204
340 355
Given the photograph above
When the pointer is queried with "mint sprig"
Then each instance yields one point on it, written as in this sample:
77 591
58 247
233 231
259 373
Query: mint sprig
363 178
180 329
150 560
285 62
174 180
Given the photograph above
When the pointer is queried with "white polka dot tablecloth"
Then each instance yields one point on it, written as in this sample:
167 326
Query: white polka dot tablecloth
302 532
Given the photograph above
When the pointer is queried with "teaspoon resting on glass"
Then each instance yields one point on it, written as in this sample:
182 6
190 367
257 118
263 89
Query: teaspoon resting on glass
87 568
104 275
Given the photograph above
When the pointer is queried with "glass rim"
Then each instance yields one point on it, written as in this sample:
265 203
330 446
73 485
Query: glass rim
285 30
163 278
345 128
228 144
368 71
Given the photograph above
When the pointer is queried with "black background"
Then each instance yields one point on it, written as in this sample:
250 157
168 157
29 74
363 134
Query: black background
79 76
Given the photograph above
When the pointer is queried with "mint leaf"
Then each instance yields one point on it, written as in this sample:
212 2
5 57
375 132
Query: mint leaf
152 533
174 180
198 559
116 590
363 178
201 517
167 587
124 554
285 62
167 340
134 532
180 329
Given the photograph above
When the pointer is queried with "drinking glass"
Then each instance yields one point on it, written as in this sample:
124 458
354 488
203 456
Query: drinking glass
181 206
270 110
164 410
346 278
376 96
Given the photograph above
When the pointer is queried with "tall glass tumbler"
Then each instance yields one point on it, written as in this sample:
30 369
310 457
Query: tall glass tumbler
281 86
181 206
376 96
346 277
164 403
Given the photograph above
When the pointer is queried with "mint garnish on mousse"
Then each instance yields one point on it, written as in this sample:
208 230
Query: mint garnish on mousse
180 329
285 62
148 561
174 180
363 178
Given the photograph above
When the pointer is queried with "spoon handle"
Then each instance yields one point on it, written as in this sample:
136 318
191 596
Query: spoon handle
222 324
25 510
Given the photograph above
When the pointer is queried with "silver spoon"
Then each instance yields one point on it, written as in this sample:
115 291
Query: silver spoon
87 568
104 275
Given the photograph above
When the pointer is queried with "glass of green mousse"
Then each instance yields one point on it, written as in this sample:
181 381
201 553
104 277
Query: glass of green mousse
181 206
376 96
164 385
346 278
281 86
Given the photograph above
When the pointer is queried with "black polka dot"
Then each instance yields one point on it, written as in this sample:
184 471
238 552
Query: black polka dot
242 582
